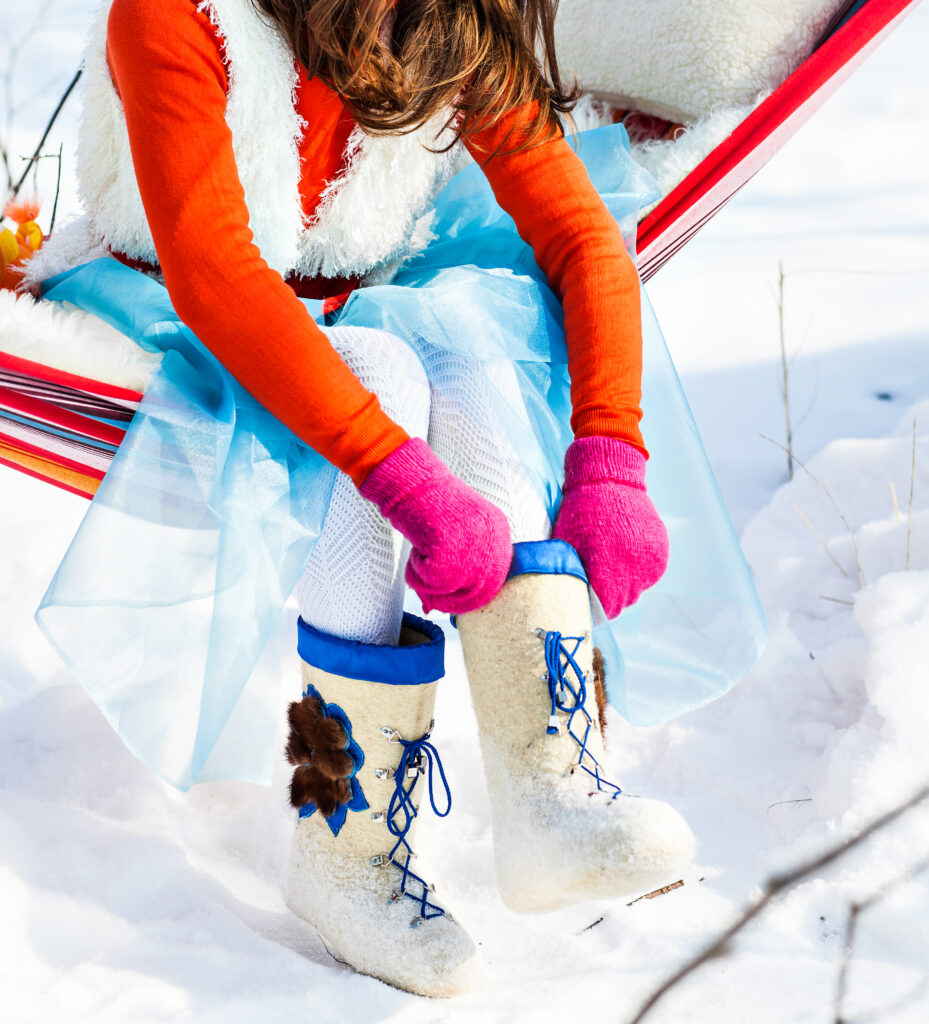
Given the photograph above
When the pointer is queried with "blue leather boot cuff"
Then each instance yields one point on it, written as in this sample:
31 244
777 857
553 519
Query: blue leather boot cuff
546 557
405 665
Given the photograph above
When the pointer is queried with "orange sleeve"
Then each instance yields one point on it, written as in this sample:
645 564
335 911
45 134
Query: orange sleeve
165 59
579 247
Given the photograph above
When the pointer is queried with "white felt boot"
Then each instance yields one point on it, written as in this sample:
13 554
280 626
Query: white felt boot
351 873
562 832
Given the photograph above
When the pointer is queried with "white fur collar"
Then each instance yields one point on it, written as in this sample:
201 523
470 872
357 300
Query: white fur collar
373 215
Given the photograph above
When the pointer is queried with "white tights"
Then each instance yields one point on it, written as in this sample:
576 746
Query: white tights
353 584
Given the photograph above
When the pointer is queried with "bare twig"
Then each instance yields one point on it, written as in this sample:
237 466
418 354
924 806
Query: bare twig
832 500
784 383
818 536
851 926
836 600
51 122
799 800
776 885
854 913
51 226
663 891
909 509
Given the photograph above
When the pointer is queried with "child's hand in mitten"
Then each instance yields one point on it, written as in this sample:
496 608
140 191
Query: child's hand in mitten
611 522
461 541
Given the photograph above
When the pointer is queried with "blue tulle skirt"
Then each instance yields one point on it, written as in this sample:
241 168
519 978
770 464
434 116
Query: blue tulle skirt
202 526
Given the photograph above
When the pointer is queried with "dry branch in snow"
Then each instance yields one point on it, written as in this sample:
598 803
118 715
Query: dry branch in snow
854 913
775 886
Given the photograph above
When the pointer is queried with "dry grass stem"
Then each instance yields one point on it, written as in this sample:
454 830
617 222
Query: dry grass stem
893 499
832 501
819 537
909 508
776 885
837 600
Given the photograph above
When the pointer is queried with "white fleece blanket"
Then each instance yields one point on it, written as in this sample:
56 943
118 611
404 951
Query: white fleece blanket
684 59
60 335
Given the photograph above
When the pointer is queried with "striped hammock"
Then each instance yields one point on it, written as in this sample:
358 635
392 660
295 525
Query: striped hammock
64 429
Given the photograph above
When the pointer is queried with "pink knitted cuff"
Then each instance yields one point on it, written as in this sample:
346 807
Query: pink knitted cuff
604 458
403 471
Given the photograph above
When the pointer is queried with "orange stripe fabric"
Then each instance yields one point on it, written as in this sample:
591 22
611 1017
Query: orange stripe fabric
46 469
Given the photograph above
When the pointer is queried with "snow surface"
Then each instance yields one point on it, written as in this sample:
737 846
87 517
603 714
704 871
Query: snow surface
123 900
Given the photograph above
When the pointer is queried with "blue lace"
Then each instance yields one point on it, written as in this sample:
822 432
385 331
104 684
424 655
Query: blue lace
401 811
571 699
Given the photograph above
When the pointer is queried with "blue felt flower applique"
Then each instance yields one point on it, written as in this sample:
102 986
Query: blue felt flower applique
357 800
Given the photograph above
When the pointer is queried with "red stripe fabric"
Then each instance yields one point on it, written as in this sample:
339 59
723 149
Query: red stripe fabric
42 372
56 458
739 157
40 411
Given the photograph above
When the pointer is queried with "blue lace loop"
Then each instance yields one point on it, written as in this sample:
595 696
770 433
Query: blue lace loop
419 757
559 688
571 699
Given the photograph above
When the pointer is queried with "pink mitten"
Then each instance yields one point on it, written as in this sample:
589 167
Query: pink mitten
461 541
611 522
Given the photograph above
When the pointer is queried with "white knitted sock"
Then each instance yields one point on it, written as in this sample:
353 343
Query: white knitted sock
353 583
465 432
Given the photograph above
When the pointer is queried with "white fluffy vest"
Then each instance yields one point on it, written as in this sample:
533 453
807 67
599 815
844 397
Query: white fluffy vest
371 217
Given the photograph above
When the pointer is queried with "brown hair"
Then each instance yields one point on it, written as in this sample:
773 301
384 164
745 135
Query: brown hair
476 58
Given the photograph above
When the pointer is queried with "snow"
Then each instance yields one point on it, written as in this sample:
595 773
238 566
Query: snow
125 900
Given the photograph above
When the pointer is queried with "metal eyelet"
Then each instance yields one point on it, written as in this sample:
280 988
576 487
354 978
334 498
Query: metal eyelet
379 816
416 768
380 860
554 722
391 735
395 897
417 921
383 773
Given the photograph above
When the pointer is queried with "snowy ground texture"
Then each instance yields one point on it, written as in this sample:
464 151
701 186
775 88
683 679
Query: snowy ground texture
122 900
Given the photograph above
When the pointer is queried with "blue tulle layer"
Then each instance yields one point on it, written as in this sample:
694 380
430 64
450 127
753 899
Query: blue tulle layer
202 526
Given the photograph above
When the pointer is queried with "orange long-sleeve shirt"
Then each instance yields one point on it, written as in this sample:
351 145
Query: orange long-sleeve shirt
166 60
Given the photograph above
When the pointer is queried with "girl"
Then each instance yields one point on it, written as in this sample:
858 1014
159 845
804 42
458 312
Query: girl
367 386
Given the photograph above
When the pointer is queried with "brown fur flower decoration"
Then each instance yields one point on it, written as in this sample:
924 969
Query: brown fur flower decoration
318 749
